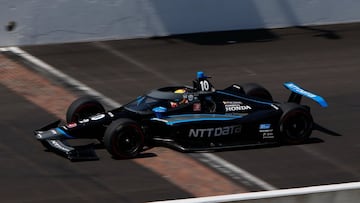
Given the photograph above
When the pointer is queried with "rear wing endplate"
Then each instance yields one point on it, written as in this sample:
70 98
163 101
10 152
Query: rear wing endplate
297 92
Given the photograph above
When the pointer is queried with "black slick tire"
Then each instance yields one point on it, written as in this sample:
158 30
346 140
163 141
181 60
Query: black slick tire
124 139
296 124
82 108
256 91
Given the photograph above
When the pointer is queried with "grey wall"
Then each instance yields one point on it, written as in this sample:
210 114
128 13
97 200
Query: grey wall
43 21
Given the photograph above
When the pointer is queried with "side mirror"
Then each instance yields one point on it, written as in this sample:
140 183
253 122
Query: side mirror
159 111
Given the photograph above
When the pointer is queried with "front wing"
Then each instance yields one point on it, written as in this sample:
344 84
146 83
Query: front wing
54 138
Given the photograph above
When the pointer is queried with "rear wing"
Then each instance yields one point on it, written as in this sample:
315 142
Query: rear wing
297 93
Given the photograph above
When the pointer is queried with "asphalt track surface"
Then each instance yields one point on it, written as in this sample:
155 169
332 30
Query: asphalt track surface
322 59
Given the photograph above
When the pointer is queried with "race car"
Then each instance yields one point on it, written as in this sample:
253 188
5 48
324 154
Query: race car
186 118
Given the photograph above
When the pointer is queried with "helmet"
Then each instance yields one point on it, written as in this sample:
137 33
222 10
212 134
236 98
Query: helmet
180 91
174 104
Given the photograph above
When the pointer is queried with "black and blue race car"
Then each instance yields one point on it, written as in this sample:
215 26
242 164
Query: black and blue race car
185 118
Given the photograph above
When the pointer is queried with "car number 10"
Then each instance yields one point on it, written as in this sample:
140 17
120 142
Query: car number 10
205 86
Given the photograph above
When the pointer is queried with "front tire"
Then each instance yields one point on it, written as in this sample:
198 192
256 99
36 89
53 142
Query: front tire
82 108
296 124
124 139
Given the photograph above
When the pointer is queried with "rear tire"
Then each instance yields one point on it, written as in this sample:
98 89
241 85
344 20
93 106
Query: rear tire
296 124
124 139
82 108
256 91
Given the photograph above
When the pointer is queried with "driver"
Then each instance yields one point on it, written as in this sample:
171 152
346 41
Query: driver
174 104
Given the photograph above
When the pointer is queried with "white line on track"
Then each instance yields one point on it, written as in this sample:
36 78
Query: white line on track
79 86
211 160
233 171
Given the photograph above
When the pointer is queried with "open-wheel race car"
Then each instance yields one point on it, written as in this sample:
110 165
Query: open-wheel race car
185 118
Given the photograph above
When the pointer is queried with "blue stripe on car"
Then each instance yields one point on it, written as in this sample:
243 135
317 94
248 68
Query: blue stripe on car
196 117
64 133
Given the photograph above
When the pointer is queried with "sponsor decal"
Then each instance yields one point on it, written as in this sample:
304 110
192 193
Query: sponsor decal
231 106
173 104
232 102
196 107
275 107
111 114
266 131
97 117
71 125
59 146
214 132
84 121
265 126
190 97
301 91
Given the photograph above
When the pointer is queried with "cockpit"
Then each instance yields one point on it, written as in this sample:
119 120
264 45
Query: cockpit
168 97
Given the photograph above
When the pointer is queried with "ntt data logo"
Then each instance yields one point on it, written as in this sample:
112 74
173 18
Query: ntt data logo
214 132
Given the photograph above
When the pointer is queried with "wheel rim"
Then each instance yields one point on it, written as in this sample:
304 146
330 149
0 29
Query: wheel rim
297 127
129 140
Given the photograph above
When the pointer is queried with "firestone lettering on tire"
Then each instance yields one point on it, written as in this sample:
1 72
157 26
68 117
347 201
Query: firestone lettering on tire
214 132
